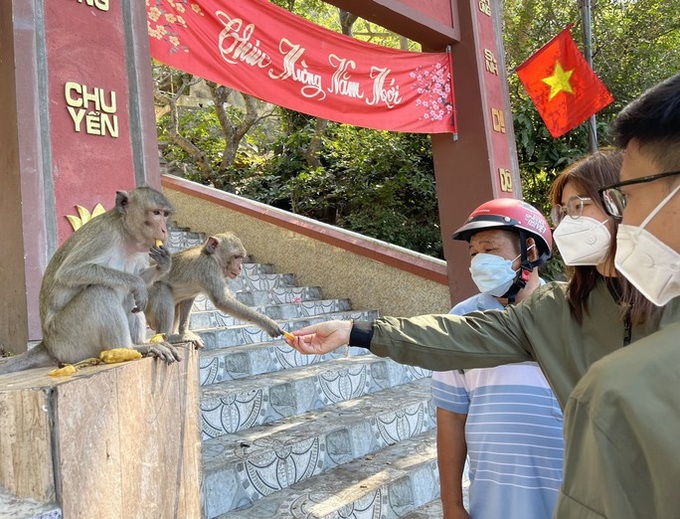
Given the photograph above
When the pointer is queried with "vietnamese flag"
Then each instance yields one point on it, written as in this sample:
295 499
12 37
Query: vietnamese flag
562 85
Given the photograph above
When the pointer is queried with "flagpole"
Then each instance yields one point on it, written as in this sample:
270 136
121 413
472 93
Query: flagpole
584 6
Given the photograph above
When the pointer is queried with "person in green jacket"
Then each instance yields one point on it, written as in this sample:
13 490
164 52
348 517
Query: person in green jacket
564 327
622 421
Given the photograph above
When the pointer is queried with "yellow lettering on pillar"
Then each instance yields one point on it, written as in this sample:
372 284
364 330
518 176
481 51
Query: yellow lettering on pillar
490 62
72 93
505 180
93 106
498 120
485 6
102 5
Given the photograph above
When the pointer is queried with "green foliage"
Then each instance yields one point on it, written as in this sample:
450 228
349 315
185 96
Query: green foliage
203 129
379 184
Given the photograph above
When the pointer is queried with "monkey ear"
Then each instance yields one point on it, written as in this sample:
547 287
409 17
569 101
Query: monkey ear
211 245
122 201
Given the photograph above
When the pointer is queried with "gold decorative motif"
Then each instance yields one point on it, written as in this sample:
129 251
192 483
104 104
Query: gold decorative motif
84 216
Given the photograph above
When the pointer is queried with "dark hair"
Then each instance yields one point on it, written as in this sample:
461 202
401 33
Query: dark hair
653 121
588 175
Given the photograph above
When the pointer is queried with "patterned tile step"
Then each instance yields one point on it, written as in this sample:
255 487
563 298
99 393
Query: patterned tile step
247 360
256 269
249 333
217 319
431 510
13 507
266 459
261 281
266 297
233 406
386 484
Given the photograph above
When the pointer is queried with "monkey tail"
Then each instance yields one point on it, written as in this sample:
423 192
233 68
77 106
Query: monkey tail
36 357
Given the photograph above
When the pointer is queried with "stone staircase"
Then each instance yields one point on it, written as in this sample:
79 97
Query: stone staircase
286 435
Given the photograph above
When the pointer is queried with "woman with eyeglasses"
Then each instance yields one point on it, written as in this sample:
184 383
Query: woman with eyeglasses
564 327
584 236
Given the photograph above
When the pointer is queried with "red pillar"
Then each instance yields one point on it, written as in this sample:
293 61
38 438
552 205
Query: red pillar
78 125
482 163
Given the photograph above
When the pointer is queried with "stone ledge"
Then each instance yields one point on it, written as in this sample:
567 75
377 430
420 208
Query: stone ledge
119 440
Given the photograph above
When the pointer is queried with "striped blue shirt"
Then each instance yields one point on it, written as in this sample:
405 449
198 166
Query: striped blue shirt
513 433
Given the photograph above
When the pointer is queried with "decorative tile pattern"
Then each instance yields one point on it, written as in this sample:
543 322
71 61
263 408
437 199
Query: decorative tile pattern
232 413
295 436
280 468
12 506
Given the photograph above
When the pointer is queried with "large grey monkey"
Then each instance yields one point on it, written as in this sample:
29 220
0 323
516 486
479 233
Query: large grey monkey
201 269
95 286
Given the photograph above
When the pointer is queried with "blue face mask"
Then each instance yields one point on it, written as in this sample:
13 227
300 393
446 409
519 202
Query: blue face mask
493 274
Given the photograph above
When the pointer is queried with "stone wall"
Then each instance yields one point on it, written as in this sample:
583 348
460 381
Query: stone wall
373 274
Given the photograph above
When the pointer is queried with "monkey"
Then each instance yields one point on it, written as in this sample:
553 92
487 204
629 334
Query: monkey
95 287
201 269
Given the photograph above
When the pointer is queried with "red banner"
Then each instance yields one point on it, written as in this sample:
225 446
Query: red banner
260 49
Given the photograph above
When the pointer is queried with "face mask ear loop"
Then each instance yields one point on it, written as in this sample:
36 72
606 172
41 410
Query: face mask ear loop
524 270
658 208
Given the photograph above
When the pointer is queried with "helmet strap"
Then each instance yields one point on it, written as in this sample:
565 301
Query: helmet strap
525 270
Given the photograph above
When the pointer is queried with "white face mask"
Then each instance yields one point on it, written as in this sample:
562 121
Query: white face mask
583 240
649 264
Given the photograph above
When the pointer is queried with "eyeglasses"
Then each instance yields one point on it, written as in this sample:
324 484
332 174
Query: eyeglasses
573 208
614 200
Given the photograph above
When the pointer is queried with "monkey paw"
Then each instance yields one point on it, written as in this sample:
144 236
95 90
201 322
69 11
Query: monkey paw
163 259
272 328
140 295
161 350
190 337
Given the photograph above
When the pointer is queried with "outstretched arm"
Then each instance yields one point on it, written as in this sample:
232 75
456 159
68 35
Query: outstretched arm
225 302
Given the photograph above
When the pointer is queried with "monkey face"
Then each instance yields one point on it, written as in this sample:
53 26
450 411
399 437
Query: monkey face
145 213
233 269
228 251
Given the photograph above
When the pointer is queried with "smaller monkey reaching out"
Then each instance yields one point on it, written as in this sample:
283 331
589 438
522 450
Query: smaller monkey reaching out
201 269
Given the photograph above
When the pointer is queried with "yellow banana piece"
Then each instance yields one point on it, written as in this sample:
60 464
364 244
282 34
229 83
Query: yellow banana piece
288 336
159 337
159 243
119 355
69 369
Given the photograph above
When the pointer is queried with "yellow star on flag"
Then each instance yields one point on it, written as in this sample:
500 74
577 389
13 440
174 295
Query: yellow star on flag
559 81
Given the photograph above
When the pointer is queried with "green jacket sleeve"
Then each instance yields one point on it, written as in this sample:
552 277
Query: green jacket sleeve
446 342
476 340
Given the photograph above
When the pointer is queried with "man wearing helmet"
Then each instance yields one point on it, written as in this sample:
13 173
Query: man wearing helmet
516 467
529 230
